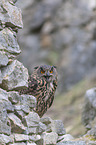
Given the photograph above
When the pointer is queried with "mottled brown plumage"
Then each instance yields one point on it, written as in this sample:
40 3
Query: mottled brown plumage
42 84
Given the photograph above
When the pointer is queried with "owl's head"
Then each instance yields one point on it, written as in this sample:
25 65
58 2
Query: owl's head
47 72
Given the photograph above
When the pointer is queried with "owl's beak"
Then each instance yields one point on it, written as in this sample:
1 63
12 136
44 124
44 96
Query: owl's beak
47 76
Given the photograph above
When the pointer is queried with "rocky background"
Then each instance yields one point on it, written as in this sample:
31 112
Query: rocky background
57 32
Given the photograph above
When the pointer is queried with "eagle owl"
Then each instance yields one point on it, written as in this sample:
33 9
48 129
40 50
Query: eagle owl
42 84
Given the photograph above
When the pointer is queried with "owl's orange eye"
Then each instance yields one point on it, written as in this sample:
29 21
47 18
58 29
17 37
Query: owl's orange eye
51 71
42 71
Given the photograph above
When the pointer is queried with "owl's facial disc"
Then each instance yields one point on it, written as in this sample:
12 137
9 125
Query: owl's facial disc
47 73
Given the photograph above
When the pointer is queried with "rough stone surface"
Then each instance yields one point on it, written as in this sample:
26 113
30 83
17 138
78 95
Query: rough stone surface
4 139
16 124
72 143
50 138
32 119
46 120
15 76
10 15
65 137
0 77
41 128
18 143
89 110
35 138
3 59
14 97
8 43
58 127
21 137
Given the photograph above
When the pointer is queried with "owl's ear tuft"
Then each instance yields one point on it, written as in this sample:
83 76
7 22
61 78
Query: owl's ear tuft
36 67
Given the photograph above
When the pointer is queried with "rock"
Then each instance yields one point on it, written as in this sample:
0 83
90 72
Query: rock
16 124
20 114
10 15
3 59
35 138
8 43
5 104
89 110
41 128
9 107
4 128
58 127
3 95
91 132
46 120
32 130
14 97
65 137
31 120
21 137
72 143
0 77
15 76
50 138
31 143
4 139
21 143
27 101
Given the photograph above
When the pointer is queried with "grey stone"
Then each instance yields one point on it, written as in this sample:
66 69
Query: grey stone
14 97
3 95
10 15
32 130
27 102
21 137
9 107
65 137
8 43
34 138
40 142
31 143
15 76
31 100
16 124
4 128
5 104
91 96
50 138
21 143
41 128
3 59
5 139
32 119
46 120
0 77
72 143
20 114
89 110
58 127
91 132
